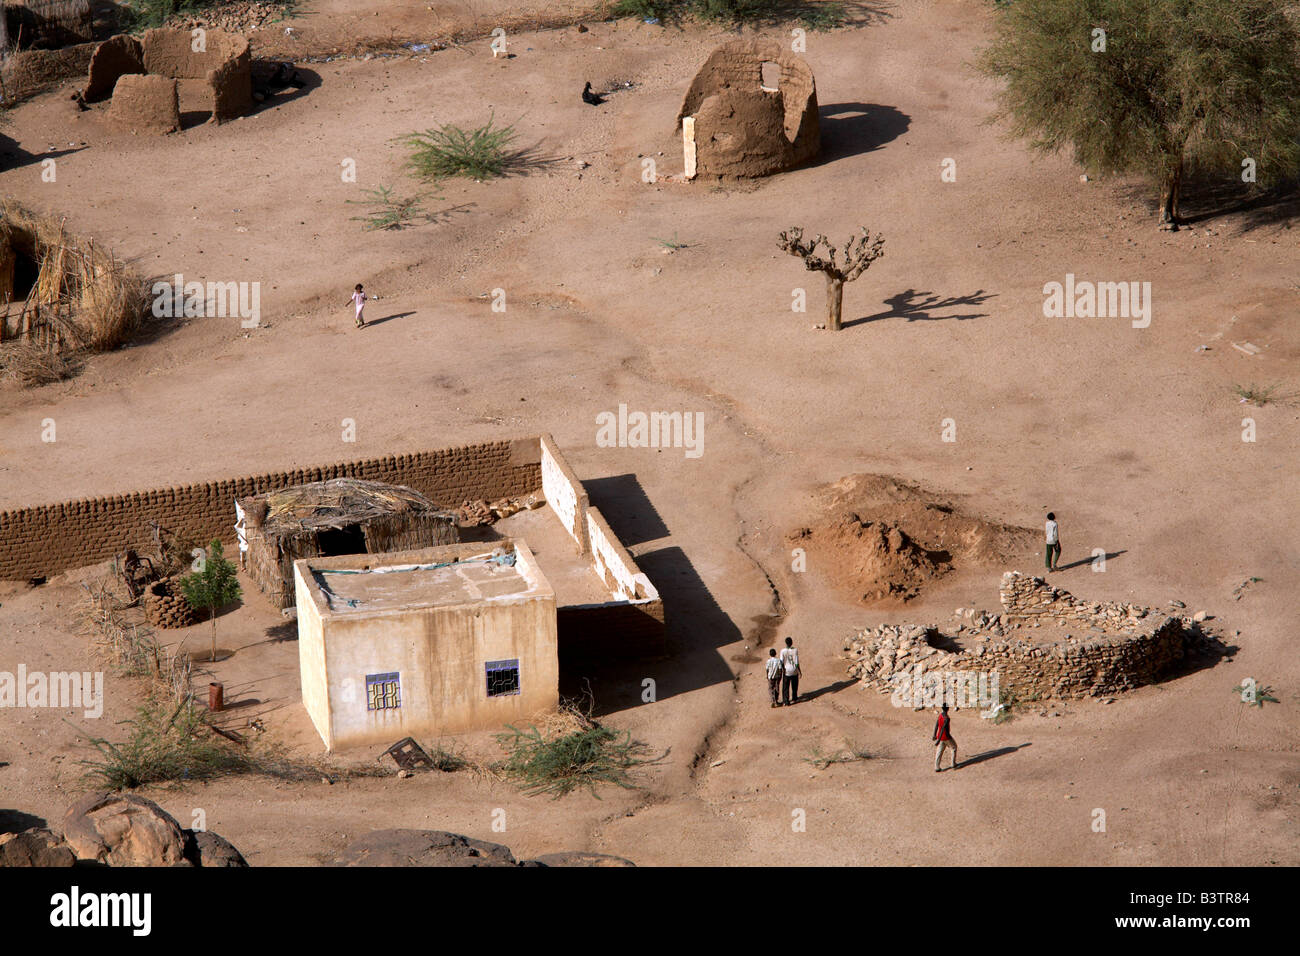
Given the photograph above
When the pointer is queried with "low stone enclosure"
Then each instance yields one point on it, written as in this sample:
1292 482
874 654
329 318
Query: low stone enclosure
142 76
735 125
43 540
1123 646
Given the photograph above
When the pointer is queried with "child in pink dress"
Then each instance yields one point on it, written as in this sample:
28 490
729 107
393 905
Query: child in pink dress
359 300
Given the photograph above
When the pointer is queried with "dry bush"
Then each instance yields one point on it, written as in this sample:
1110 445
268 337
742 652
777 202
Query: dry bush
83 299
29 364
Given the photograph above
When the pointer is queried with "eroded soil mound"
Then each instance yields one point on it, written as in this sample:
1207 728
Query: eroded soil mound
879 539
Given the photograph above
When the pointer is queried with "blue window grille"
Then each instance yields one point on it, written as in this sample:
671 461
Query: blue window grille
383 691
502 678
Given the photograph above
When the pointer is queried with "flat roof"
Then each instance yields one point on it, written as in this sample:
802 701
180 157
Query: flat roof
431 577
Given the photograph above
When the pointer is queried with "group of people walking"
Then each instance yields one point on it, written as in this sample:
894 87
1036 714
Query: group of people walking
783 675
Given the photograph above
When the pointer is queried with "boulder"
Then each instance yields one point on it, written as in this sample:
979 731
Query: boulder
145 104
423 848
205 848
113 59
579 858
123 830
36 847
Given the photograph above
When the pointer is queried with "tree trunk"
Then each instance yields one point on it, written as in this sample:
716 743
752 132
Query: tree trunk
834 301
213 614
1169 196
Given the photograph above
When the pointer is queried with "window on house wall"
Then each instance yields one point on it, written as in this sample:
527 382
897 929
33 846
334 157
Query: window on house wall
502 678
383 691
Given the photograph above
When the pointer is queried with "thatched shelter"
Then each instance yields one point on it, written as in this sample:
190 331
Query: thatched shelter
331 518
48 24
61 292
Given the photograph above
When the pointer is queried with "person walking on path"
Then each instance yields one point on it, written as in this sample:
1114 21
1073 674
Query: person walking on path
943 739
359 300
774 670
790 679
1053 554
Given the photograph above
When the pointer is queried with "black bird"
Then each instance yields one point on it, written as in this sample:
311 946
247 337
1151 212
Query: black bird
589 97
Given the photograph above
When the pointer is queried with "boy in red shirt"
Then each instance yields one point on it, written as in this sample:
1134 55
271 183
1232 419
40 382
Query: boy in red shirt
943 739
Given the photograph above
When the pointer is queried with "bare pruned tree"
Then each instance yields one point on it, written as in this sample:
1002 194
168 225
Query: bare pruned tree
859 253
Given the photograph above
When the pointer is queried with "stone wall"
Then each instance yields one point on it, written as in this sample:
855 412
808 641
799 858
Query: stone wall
47 539
1129 645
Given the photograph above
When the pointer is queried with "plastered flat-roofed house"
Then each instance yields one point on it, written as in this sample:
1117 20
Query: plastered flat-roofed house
422 643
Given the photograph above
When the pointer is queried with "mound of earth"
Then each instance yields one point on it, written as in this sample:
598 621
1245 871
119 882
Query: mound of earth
880 539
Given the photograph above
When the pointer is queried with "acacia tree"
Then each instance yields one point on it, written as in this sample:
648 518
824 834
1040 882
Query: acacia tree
1156 87
859 253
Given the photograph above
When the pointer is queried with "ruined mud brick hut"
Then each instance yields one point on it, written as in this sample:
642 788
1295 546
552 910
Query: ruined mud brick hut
45 24
750 111
342 516
168 57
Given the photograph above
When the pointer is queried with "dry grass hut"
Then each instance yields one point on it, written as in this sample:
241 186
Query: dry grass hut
330 518
48 24
61 293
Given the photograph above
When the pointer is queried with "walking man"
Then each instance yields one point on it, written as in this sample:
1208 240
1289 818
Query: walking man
943 739
774 670
790 679
1053 542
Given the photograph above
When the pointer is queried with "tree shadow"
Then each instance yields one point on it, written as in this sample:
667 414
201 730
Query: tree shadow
696 627
1205 198
920 306
991 754
631 516
1083 561
849 129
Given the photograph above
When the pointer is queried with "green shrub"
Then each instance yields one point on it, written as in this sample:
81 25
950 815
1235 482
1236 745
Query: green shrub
485 152
586 757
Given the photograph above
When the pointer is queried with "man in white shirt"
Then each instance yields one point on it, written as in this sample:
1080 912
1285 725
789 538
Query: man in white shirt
1053 542
774 671
790 679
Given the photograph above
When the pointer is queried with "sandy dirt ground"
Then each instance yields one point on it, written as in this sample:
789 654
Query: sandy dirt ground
1132 436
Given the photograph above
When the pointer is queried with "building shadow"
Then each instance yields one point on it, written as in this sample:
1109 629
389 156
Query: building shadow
1083 561
849 129
631 515
990 755
922 307
696 627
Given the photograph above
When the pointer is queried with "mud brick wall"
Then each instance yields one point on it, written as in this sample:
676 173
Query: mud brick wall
47 539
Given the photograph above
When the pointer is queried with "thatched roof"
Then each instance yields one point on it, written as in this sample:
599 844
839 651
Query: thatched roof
338 503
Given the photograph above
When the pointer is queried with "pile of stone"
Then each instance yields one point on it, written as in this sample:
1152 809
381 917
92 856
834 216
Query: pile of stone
1126 645
472 514
117 830
236 16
